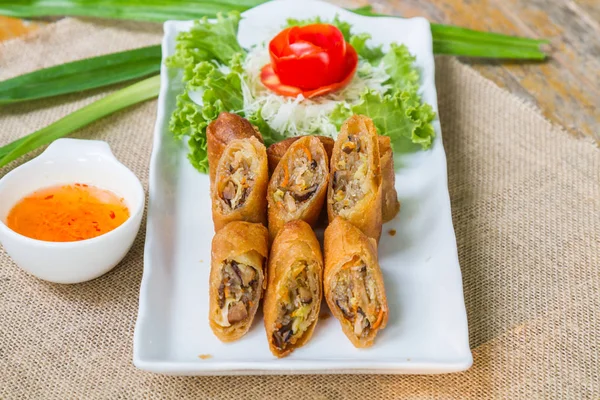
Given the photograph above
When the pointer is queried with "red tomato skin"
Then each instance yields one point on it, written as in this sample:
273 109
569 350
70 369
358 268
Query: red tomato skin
271 80
309 57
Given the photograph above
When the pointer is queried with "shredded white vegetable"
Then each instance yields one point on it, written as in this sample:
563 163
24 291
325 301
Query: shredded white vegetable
300 116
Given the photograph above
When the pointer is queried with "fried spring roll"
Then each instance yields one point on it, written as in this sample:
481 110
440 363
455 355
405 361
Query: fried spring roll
293 296
299 184
276 151
237 278
355 177
353 283
240 186
389 197
390 205
220 132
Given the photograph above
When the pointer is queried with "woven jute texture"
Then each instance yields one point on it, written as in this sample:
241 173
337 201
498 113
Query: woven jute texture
526 209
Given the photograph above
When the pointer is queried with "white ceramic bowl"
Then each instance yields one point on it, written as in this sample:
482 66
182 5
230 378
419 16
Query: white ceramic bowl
68 161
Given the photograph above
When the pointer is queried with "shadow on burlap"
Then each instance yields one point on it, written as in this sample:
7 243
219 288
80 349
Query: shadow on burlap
526 209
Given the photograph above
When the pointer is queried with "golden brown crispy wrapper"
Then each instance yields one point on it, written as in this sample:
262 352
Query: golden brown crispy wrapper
389 197
390 203
223 130
295 242
366 213
245 243
344 243
308 210
276 151
254 206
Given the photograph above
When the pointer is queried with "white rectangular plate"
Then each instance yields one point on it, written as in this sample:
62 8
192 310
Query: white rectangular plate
427 330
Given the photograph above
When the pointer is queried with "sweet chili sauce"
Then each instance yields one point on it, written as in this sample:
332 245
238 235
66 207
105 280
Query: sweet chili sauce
67 213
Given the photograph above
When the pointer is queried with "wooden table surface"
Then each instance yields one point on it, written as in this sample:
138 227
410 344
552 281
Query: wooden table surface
566 87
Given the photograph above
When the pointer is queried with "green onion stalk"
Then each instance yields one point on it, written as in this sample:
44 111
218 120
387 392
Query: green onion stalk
136 93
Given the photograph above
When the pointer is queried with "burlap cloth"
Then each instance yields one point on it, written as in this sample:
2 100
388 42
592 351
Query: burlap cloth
526 208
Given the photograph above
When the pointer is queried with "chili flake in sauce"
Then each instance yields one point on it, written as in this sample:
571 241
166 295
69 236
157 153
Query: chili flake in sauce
67 213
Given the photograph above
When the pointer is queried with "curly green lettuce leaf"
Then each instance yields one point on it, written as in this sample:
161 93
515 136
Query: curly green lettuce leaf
399 64
401 116
218 87
211 60
303 22
220 91
188 120
207 41
340 113
269 135
373 55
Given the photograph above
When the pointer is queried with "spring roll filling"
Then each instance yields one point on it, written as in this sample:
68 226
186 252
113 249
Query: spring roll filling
350 178
300 180
237 292
238 180
296 311
355 294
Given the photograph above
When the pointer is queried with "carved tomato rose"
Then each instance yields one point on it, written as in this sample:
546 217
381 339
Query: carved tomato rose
311 60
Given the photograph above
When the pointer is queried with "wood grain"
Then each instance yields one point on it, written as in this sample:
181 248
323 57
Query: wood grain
566 87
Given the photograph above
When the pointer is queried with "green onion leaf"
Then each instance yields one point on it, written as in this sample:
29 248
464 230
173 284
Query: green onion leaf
116 101
452 40
141 10
82 75
483 50
446 32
